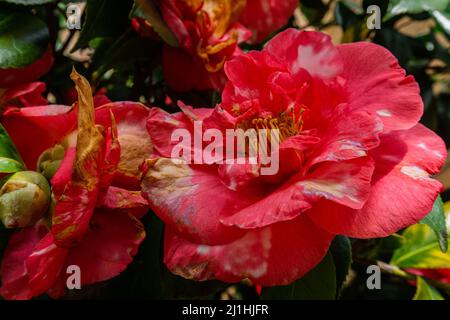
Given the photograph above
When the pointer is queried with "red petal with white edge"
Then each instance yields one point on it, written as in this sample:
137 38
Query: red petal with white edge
108 246
193 200
308 50
377 84
49 124
249 74
13 268
161 125
263 17
347 183
275 255
348 136
402 191
45 264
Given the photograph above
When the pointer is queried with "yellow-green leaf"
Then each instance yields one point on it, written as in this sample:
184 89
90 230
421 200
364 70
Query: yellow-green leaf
426 292
420 249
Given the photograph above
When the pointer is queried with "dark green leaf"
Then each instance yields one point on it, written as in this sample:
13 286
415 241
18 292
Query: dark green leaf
4 236
104 19
436 221
10 160
313 10
128 48
341 250
346 15
318 284
147 9
23 39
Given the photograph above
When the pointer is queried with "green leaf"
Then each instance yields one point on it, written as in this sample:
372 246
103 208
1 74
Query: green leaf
436 221
23 39
317 284
416 6
426 292
10 160
104 18
341 250
118 54
347 15
420 250
443 20
28 2
147 10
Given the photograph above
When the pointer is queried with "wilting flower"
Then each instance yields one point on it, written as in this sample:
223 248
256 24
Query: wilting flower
209 31
94 219
17 87
353 161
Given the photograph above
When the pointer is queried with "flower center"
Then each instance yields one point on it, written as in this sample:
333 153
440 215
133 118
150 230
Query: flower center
287 123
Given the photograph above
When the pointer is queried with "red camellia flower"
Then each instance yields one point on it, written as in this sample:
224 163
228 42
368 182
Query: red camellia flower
94 219
209 32
353 161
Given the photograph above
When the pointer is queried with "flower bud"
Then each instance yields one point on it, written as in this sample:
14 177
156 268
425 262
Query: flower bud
50 161
24 199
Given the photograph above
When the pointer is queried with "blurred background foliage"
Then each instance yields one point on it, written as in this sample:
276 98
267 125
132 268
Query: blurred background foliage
118 62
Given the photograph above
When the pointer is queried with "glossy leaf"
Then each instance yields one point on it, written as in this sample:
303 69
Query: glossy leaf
436 221
10 160
425 291
23 39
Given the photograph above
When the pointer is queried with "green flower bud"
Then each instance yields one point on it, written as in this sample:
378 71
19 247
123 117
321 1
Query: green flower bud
50 161
24 199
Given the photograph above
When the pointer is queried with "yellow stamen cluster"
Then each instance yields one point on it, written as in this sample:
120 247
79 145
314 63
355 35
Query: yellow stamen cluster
288 125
